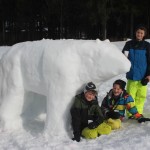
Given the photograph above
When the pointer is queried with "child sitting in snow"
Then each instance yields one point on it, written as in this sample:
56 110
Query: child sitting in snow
117 101
87 118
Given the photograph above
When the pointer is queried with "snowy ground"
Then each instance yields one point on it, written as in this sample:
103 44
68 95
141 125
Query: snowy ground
131 136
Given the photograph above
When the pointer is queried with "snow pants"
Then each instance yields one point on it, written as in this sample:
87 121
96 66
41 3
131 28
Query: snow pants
139 93
104 128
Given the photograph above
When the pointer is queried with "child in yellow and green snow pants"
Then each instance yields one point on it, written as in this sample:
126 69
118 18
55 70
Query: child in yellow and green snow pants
137 51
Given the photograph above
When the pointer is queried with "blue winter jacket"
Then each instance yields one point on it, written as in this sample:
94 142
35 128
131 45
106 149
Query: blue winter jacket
139 56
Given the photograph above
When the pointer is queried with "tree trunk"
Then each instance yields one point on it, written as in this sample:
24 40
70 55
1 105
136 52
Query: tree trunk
104 28
3 32
131 24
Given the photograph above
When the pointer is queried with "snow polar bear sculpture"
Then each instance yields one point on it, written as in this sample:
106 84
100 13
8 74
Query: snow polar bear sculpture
56 69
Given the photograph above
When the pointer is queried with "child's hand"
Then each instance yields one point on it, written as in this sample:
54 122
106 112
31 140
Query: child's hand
148 77
113 115
76 139
140 120
144 81
92 125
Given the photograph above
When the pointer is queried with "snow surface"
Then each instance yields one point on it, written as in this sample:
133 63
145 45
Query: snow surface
32 135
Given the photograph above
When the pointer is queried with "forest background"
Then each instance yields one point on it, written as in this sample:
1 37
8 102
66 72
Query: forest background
28 20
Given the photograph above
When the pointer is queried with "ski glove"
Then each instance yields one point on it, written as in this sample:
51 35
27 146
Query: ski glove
113 115
144 81
93 125
143 119
76 137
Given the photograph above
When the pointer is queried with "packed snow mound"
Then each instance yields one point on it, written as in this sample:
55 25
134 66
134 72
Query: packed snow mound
3 50
57 70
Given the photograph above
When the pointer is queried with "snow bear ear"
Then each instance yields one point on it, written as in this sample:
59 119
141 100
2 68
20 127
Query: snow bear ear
107 40
98 41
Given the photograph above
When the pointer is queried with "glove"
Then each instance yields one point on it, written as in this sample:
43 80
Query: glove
144 81
76 138
92 125
113 115
143 119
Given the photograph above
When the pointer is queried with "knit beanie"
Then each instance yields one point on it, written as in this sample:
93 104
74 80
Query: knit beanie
90 87
121 83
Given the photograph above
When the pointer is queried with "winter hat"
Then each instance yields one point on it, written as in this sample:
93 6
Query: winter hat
90 87
121 83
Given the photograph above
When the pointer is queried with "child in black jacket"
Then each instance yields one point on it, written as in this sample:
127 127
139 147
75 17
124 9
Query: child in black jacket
86 113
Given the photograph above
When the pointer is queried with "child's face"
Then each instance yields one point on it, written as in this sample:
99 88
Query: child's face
90 95
117 90
140 34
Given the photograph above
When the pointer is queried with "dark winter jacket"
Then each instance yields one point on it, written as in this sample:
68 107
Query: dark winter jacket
82 111
139 56
121 103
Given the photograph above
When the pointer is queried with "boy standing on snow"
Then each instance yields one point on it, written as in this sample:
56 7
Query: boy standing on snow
117 101
87 118
138 52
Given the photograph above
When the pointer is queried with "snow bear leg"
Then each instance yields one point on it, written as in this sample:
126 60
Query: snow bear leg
11 109
11 95
58 106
